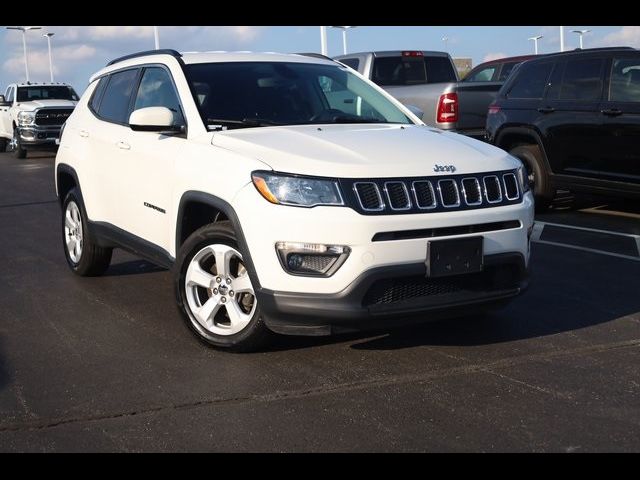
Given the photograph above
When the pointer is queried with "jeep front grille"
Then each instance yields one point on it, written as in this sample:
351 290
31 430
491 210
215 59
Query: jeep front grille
386 196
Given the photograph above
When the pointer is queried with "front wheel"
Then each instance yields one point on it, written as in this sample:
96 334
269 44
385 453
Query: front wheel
214 292
531 157
15 145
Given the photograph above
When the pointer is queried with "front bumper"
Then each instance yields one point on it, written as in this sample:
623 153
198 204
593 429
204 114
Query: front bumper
39 137
380 296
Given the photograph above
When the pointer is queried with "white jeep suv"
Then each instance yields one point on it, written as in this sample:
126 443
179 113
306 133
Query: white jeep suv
289 194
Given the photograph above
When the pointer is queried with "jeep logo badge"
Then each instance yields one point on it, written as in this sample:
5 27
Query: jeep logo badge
444 168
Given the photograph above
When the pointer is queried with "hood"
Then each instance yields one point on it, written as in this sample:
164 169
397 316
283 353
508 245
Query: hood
357 151
54 103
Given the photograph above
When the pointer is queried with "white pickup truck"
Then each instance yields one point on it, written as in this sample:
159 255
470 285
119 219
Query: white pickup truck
32 114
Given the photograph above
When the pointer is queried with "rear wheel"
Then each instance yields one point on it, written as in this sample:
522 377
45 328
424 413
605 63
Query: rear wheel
83 255
214 292
15 145
531 157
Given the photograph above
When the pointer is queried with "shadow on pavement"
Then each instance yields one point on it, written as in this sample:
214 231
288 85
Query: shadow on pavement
132 267
5 374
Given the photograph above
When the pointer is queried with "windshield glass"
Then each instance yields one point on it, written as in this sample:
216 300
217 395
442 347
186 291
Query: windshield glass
253 94
26 94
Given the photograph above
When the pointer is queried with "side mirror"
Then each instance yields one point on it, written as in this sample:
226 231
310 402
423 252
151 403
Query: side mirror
416 111
153 119
3 102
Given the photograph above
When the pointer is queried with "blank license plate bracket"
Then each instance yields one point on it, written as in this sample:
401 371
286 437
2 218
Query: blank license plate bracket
454 257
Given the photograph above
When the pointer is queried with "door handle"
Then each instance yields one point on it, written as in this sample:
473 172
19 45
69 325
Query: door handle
612 112
83 133
546 109
123 146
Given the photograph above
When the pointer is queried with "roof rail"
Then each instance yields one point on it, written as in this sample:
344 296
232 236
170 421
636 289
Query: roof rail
163 51
587 50
316 55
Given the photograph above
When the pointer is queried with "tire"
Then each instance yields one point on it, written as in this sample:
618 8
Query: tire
89 260
230 320
531 156
3 145
18 151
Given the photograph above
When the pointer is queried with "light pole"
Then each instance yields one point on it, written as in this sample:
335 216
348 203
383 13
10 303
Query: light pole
49 35
535 42
445 40
562 39
581 33
344 38
24 45
156 37
323 40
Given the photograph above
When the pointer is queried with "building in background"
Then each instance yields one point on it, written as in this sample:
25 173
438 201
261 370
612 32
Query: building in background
463 65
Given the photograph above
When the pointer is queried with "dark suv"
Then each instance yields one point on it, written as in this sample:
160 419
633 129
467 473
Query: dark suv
573 118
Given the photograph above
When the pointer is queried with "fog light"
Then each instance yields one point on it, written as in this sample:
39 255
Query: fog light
311 259
27 134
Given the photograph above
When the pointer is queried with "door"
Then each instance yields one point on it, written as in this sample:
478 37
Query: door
6 126
569 115
149 162
619 157
106 137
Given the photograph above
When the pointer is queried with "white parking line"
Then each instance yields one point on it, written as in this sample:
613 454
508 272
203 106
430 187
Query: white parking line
538 228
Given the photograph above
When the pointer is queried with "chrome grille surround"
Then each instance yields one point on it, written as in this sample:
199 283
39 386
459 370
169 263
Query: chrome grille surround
493 178
434 202
381 204
456 190
506 188
407 205
477 188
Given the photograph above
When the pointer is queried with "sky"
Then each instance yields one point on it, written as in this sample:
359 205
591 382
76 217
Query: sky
78 52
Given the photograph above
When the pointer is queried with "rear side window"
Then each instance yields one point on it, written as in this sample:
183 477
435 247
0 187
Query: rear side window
484 75
531 81
625 80
97 94
351 62
117 95
582 80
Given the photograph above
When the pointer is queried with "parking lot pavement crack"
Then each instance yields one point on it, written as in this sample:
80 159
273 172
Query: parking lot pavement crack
329 389
528 385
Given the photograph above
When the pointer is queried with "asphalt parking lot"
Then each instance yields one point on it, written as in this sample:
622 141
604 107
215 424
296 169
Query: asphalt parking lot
105 364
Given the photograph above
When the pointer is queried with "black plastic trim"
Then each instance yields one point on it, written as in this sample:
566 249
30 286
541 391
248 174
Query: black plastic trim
108 235
63 167
230 213
291 312
445 231
146 53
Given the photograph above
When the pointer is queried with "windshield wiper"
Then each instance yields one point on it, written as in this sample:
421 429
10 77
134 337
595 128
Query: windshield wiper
219 123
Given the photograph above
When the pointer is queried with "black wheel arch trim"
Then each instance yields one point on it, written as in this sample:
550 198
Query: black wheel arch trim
226 208
530 132
64 168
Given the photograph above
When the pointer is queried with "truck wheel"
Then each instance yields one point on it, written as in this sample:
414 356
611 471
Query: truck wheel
18 151
214 292
83 255
531 156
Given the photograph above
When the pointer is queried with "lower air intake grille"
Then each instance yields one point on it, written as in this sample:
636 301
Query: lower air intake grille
394 290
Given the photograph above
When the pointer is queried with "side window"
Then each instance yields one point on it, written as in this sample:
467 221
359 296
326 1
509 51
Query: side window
484 75
625 80
117 95
351 62
582 80
507 68
9 96
531 80
555 82
156 90
94 103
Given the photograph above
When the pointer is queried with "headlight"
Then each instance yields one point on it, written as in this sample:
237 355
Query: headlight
26 118
297 191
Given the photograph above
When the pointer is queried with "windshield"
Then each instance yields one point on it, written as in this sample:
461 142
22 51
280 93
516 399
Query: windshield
26 94
252 94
